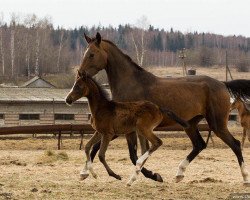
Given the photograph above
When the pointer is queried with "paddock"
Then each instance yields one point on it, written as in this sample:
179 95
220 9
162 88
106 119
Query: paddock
33 168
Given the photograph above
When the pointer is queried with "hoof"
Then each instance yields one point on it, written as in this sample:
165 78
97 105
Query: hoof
118 177
83 176
130 182
179 178
94 175
158 177
246 183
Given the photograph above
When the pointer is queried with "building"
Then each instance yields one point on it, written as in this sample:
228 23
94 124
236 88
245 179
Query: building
29 106
38 82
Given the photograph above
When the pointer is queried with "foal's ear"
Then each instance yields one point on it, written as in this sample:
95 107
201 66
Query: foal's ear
98 38
79 73
87 38
83 75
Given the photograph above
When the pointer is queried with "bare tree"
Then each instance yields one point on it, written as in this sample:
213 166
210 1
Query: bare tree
37 52
12 50
138 32
1 44
59 51
30 21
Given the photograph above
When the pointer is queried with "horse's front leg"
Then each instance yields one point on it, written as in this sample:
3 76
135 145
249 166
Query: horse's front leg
106 138
88 166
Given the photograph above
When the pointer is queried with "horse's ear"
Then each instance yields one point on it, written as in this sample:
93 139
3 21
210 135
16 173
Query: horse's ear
98 38
87 38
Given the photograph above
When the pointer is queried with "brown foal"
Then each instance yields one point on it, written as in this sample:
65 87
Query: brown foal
110 118
244 114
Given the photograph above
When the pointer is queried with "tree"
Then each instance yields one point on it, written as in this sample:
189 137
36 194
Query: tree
1 44
138 32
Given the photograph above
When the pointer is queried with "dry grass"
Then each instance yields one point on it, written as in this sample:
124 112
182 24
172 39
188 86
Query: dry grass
215 72
53 174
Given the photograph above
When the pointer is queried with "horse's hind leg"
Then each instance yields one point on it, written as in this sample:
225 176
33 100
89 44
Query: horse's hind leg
234 144
248 133
88 166
104 145
156 143
198 145
243 138
132 146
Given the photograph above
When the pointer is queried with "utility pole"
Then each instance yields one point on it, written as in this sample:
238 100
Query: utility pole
182 56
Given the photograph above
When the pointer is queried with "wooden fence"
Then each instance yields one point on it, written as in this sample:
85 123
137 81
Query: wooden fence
69 128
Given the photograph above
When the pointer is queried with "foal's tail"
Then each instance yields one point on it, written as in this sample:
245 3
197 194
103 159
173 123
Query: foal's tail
239 88
174 117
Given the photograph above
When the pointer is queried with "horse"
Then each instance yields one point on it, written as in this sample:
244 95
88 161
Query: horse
192 98
110 118
244 114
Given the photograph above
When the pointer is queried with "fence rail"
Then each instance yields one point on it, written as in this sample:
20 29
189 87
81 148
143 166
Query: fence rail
81 128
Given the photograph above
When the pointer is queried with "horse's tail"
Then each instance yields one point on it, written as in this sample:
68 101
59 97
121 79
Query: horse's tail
174 117
239 88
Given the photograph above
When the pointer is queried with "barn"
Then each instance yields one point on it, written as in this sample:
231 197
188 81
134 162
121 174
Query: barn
39 102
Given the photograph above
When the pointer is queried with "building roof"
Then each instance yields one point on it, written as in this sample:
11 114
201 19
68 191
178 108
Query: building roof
38 82
37 95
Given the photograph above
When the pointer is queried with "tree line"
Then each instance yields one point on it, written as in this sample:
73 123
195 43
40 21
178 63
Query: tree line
33 46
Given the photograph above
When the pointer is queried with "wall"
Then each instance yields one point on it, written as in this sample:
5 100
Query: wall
11 113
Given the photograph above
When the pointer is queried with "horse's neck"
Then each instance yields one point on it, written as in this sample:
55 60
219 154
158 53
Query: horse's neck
124 75
96 100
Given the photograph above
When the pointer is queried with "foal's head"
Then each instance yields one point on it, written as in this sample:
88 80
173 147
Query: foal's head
79 89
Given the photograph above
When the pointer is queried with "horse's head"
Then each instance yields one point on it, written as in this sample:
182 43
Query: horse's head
94 58
79 89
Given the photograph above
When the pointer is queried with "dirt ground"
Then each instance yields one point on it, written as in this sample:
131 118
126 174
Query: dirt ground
32 168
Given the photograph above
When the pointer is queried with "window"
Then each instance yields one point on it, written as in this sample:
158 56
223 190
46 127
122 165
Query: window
29 117
1 116
64 116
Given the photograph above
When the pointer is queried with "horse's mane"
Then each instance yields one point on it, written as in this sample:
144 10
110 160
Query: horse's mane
239 88
125 55
101 90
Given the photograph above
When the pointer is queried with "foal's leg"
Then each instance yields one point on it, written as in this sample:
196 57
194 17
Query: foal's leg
104 145
131 138
198 145
96 148
88 166
156 143
243 138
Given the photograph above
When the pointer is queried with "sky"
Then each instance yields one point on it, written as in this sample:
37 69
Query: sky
226 17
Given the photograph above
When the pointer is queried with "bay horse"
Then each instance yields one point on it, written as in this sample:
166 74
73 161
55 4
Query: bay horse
244 114
192 98
110 118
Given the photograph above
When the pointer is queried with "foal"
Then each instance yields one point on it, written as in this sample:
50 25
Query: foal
244 114
110 118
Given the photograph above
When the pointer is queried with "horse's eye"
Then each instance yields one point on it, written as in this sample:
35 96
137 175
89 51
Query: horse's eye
91 55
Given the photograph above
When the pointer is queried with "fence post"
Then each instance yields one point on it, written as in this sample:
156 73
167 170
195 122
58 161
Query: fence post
59 140
81 133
